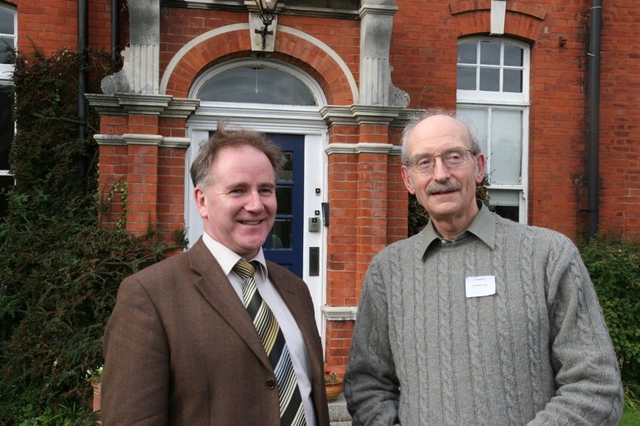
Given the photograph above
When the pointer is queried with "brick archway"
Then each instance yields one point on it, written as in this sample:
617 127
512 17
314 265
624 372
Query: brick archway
291 46
473 17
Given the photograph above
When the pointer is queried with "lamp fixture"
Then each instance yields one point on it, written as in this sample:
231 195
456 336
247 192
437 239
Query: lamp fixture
268 9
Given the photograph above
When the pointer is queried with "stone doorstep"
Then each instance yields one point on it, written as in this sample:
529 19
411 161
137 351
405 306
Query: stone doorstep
338 414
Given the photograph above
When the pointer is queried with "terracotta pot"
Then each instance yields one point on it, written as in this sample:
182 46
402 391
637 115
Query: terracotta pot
333 390
96 395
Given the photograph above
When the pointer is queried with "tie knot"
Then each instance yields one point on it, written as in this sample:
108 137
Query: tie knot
244 269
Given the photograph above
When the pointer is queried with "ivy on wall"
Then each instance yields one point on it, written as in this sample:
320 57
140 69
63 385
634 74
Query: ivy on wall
59 268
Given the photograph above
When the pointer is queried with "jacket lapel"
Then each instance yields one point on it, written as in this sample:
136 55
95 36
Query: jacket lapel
215 287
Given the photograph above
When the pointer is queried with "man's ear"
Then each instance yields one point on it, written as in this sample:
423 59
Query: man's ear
480 167
408 183
201 202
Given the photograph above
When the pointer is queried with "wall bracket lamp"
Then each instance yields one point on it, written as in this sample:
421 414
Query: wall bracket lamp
267 11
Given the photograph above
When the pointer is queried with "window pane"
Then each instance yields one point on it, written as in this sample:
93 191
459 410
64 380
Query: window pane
6 124
512 81
287 166
256 85
6 22
478 118
512 55
467 53
466 78
280 236
489 53
6 183
6 45
490 79
505 203
506 147
284 195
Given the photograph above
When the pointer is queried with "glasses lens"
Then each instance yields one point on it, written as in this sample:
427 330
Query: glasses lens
423 163
455 157
452 158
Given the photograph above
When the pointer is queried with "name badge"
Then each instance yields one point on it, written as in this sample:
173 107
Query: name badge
480 286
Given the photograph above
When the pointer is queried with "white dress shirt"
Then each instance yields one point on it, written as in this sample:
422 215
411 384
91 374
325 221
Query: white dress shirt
227 259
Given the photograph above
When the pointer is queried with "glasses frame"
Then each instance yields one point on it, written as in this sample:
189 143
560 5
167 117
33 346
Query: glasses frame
411 164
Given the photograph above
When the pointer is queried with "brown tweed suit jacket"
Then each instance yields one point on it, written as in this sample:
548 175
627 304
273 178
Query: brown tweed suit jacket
180 348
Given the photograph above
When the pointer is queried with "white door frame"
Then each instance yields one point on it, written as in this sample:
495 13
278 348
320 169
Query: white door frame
298 120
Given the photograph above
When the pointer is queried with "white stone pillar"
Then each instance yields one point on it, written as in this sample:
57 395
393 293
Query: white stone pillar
376 25
141 59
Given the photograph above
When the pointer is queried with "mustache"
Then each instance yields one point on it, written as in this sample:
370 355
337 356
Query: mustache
447 186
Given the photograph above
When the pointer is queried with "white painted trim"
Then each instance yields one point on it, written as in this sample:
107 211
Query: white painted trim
340 313
245 27
363 148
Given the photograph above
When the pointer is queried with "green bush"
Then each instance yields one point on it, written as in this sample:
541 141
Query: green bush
614 265
59 269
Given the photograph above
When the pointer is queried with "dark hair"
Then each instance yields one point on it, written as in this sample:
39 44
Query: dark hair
474 144
223 138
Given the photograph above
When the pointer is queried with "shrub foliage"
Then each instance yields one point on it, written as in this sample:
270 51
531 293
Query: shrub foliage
614 266
59 269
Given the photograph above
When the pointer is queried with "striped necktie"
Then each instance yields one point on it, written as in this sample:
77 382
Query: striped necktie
291 409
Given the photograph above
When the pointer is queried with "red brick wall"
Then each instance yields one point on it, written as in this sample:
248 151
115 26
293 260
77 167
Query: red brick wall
620 120
50 25
368 199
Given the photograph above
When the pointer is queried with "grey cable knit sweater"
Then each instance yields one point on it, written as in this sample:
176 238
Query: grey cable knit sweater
537 352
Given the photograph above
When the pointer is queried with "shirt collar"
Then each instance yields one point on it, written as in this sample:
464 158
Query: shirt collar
483 226
227 258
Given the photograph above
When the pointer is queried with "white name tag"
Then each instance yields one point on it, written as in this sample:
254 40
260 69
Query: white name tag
480 286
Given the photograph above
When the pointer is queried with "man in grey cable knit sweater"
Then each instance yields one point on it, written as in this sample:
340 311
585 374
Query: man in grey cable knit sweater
477 320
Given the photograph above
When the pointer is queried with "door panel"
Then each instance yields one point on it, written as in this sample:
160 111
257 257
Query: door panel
284 245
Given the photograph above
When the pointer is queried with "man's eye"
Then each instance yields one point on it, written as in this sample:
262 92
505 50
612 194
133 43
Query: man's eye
453 156
424 162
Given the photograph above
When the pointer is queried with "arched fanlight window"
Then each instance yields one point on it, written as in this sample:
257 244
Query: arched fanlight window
256 85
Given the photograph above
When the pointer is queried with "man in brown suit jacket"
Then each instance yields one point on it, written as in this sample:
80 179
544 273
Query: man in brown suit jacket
180 347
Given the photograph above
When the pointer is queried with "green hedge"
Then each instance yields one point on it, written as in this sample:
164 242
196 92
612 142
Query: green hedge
614 266
59 269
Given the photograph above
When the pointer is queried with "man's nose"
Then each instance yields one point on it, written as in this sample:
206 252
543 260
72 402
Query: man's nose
440 170
254 201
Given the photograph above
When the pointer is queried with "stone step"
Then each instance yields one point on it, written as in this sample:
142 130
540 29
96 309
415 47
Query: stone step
338 414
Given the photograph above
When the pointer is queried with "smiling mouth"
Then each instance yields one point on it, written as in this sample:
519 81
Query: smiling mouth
442 192
250 222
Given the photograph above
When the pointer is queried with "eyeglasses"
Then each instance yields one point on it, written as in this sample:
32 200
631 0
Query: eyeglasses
452 159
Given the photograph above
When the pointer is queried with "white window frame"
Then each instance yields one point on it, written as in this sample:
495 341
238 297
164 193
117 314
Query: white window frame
7 70
478 99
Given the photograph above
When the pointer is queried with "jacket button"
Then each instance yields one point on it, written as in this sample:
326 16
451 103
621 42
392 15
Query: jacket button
271 384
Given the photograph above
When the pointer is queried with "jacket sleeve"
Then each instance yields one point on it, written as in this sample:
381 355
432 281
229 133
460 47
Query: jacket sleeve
135 382
371 386
589 390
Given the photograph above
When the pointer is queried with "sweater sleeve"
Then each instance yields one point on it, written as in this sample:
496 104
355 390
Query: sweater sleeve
588 386
371 386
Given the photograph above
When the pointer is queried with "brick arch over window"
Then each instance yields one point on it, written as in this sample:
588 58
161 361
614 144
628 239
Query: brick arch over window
524 20
313 56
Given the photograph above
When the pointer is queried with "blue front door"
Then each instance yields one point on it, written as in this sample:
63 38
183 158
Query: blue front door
284 244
